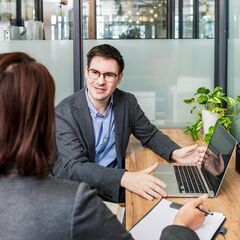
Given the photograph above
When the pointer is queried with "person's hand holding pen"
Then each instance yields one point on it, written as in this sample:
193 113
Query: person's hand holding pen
192 214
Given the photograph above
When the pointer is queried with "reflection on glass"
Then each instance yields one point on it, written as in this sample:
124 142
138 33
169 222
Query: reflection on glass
218 155
132 19
176 19
202 13
206 19
58 19
85 17
213 163
19 19
187 18
118 19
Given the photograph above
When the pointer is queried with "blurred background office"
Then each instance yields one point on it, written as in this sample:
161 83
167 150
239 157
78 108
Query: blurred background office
171 47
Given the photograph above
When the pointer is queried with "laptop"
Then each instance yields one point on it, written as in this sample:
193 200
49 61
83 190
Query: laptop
192 180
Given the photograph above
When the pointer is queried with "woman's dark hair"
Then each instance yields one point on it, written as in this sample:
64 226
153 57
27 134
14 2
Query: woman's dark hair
27 123
106 51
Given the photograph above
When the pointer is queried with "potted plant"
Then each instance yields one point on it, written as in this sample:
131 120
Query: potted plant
131 33
216 103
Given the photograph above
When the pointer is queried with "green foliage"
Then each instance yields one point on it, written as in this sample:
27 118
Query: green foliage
207 137
131 33
194 129
215 102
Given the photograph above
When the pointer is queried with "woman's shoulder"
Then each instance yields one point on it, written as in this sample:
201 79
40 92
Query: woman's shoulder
69 189
61 186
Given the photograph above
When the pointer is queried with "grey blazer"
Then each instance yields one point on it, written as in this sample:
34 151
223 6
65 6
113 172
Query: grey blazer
50 209
76 144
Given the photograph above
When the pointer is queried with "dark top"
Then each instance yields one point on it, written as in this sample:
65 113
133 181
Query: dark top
35 209
76 144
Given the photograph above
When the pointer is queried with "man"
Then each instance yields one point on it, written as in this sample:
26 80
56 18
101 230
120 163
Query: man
93 127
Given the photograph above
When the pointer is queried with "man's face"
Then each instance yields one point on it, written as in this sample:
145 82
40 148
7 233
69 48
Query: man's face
101 89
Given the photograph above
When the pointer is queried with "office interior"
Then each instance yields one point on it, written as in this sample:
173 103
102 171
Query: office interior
170 47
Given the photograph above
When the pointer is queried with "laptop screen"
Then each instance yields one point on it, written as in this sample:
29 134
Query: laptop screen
218 156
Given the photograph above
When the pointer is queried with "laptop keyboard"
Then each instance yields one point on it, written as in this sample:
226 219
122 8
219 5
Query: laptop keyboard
189 179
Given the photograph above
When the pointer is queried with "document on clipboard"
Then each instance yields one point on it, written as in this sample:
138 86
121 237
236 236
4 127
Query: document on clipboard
162 215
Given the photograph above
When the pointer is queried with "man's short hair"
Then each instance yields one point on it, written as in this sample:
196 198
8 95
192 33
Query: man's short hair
106 51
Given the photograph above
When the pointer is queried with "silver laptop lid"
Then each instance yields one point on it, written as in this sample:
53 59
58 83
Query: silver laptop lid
218 156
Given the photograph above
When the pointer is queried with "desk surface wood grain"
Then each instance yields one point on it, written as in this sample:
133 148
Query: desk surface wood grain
227 202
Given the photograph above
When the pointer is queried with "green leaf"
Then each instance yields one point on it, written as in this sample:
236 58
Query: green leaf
199 115
218 110
216 90
194 129
203 90
199 125
230 101
211 129
226 122
189 101
215 100
202 99
238 98
193 109
194 136
208 136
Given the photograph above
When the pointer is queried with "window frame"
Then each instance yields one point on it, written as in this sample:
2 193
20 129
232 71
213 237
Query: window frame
220 42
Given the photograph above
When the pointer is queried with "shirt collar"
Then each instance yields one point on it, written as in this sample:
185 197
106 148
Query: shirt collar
93 110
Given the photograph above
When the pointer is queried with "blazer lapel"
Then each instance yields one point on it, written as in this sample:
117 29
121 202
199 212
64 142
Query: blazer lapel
84 121
119 120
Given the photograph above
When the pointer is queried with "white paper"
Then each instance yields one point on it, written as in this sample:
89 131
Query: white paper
151 226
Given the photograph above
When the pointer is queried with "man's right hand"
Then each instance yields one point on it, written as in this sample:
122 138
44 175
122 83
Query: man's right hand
144 184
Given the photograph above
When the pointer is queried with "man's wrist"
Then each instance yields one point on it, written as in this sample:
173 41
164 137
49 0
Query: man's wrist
173 156
123 180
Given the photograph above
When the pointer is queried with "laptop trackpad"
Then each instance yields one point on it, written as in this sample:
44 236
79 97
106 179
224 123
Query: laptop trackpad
166 177
165 172
170 180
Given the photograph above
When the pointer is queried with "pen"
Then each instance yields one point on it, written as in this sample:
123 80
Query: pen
207 212
178 206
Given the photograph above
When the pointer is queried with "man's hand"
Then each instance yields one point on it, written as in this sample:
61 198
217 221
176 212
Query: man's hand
143 184
189 215
191 154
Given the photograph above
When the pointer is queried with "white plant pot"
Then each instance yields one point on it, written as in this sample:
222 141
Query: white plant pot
209 119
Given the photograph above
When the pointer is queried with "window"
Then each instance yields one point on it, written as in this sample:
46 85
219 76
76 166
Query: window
36 20
131 19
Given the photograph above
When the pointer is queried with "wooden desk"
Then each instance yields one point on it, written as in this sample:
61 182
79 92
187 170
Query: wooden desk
227 202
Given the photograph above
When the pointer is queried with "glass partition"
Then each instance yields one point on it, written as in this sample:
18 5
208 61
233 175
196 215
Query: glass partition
150 19
187 18
234 57
41 21
162 73
36 20
56 55
58 19
206 19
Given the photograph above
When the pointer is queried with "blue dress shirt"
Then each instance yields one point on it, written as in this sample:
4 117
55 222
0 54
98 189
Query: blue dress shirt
104 132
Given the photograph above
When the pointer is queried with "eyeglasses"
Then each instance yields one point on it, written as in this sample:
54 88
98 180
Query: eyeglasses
108 76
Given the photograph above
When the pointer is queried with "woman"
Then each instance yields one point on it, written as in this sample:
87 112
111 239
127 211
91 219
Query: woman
33 205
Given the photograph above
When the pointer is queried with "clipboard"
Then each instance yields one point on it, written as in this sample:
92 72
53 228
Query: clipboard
162 215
